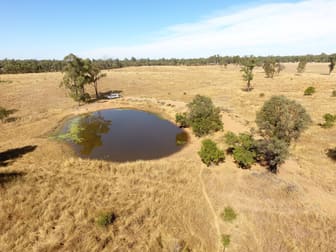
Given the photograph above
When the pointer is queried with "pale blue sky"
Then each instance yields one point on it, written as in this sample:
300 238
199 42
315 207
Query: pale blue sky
175 28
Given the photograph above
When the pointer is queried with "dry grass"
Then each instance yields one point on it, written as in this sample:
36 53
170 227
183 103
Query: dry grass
50 200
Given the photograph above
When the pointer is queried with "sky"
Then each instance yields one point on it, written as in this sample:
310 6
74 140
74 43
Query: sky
171 29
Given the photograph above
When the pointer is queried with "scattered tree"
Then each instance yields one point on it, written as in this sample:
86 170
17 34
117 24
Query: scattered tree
247 69
301 66
75 78
279 67
93 75
282 118
203 116
210 153
331 65
272 152
269 68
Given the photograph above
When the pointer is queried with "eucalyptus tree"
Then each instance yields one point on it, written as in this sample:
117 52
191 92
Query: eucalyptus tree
93 75
247 69
75 77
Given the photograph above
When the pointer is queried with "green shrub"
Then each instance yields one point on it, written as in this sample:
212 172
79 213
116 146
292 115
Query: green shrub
228 214
242 147
203 116
210 154
333 93
309 91
329 120
244 157
282 118
182 120
106 219
272 152
225 239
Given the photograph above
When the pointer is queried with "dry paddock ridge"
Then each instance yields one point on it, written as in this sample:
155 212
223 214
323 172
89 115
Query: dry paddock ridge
49 199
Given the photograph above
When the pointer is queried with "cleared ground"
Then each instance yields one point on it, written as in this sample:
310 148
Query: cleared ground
49 199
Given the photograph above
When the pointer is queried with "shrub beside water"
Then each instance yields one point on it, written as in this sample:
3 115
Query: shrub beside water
203 116
210 153
182 120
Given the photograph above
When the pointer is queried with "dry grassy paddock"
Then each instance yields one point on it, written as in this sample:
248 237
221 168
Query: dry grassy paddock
49 199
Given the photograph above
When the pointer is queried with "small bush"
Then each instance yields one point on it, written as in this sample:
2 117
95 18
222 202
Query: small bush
329 120
106 219
182 120
228 214
309 91
261 95
225 239
242 147
203 116
333 93
210 154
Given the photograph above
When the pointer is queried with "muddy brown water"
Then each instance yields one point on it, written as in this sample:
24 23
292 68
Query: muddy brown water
124 135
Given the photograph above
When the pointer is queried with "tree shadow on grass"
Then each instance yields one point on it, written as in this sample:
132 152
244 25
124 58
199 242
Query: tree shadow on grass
9 118
331 153
9 156
7 177
245 89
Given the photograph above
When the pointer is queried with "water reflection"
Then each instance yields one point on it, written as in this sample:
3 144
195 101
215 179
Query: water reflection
91 129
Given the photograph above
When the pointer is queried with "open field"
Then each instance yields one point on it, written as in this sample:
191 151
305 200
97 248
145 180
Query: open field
49 199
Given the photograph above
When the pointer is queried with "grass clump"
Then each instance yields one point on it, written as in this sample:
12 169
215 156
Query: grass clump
105 219
73 133
228 214
333 93
329 120
309 91
225 240
210 153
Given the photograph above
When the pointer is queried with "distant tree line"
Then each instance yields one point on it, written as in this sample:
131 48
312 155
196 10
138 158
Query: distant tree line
12 66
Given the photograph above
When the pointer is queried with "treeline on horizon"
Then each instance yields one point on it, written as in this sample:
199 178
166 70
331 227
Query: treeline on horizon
12 66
